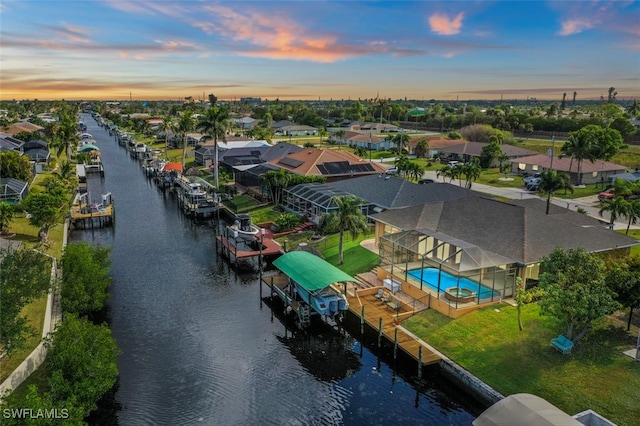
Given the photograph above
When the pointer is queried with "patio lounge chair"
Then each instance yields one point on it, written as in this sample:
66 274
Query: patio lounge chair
379 293
385 297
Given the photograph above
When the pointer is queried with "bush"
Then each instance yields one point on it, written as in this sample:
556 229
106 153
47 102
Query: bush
286 221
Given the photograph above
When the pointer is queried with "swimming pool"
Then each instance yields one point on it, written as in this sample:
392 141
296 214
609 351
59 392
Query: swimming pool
430 278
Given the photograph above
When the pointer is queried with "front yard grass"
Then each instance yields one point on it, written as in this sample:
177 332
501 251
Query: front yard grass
356 258
488 343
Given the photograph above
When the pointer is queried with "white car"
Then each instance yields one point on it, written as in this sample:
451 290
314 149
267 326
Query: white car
392 171
453 163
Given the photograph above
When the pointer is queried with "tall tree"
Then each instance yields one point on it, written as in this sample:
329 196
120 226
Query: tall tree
275 181
44 210
347 218
552 181
6 216
185 124
85 278
24 276
213 125
581 145
624 278
401 139
422 147
616 206
82 362
575 290
15 166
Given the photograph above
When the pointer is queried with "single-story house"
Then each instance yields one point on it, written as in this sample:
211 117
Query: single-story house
13 190
297 130
480 245
330 163
23 126
9 143
378 192
230 158
599 171
245 122
466 151
629 177
369 142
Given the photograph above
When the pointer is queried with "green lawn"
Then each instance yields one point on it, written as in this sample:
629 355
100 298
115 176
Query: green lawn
34 312
489 345
356 258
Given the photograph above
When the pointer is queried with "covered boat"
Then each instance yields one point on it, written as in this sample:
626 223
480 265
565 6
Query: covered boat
313 279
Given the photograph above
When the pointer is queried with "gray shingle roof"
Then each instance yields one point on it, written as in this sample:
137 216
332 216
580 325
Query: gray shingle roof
391 193
514 231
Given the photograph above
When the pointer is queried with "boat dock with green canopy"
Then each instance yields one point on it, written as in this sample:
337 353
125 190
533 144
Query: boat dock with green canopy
309 289
310 271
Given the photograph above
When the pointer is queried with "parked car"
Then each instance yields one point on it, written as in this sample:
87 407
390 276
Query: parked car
392 171
426 181
532 178
533 184
606 194
453 163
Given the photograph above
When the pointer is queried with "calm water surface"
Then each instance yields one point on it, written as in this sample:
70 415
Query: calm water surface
200 346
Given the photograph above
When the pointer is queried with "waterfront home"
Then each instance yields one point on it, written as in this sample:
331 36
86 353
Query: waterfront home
378 192
13 190
9 143
204 154
598 171
332 164
480 245
23 126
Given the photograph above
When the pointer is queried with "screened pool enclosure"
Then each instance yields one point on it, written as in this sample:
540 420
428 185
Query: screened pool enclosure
452 270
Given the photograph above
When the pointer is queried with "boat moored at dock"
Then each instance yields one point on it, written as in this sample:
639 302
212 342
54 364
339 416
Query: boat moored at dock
311 283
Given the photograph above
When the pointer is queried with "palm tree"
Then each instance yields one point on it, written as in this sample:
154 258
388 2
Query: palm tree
632 213
184 125
340 133
580 146
401 140
552 181
447 172
213 125
360 151
275 181
421 148
616 206
348 218
65 171
470 171
165 127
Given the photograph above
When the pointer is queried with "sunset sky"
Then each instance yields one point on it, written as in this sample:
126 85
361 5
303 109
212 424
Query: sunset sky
446 50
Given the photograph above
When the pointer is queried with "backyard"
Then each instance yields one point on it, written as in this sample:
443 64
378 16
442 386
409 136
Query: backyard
488 344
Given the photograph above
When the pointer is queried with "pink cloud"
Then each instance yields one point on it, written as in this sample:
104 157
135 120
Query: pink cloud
575 26
443 25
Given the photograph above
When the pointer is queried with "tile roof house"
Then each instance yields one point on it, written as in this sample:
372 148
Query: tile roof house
465 151
378 143
330 163
598 171
23 126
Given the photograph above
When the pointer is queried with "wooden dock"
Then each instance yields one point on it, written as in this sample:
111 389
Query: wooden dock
81 218
385 318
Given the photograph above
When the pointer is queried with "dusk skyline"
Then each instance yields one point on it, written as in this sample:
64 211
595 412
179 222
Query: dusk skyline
116 50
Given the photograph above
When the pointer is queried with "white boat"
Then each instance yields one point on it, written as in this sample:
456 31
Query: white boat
194 199
242 228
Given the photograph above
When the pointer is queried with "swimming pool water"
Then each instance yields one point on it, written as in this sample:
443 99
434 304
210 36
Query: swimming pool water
430 278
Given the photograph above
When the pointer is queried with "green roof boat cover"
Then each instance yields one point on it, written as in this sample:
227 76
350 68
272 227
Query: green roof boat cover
308 270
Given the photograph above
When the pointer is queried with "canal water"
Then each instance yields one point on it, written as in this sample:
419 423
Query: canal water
201 344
